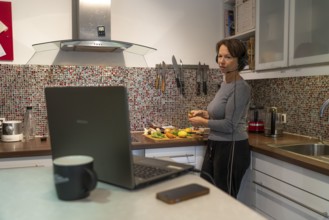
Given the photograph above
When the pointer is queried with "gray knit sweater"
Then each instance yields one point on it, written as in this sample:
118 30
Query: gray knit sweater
228 112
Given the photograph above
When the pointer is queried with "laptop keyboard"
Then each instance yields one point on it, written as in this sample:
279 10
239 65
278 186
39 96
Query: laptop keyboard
145 172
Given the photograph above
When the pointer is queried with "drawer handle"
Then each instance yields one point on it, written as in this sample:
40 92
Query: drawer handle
183 155
174 156
324 214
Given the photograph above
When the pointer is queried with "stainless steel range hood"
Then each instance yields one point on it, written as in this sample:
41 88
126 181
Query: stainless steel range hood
91 32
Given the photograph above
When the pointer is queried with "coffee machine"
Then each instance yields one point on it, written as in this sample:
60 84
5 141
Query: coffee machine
274 119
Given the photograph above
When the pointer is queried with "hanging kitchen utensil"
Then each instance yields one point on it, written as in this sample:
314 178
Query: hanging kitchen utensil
176 70
157 77
198 80
181 79
205 79
163 77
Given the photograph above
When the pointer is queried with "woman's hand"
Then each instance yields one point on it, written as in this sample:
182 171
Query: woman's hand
198 121
200 113
198 118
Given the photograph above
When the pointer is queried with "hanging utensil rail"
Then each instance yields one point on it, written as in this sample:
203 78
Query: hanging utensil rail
185 66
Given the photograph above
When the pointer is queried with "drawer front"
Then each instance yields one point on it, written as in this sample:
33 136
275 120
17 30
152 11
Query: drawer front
308 180
272 194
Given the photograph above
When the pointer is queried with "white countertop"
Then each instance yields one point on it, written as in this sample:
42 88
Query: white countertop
29 193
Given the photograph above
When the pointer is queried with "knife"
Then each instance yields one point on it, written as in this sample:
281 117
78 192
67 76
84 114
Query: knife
198 80
176 70
181 79
205 79
157 78
163 77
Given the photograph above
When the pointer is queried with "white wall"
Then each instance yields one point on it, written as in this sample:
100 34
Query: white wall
188 29
36 21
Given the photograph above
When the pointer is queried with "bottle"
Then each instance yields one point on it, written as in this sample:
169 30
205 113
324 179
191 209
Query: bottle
29 124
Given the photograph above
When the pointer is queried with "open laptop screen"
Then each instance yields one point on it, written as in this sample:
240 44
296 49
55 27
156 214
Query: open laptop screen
92 121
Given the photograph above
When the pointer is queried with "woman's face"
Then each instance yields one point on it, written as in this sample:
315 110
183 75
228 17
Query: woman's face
227 64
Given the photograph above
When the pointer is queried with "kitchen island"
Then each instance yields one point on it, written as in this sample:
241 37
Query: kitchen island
29 193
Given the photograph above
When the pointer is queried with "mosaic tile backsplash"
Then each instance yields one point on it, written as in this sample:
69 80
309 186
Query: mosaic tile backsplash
299 97
23 85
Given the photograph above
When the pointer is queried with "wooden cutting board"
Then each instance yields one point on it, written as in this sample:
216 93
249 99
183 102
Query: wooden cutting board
189 137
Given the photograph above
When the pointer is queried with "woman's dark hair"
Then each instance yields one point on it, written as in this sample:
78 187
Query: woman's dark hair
237 49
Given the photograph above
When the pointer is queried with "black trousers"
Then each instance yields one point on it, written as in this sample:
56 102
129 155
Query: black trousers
226 162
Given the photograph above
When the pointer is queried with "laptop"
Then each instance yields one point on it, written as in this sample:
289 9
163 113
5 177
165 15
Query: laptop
94 121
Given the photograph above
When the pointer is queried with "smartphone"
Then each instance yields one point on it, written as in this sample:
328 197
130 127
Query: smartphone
182 193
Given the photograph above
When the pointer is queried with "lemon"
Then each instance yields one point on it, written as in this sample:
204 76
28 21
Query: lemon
182 134
188 130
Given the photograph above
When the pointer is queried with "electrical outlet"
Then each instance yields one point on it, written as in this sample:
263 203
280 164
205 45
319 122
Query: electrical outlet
284 118
1 120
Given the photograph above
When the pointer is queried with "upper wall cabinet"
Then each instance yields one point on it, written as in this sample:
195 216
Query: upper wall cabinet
309 32
240 18
271 34
240 23
290 33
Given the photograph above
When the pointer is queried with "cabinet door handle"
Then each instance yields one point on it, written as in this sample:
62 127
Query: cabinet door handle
324 214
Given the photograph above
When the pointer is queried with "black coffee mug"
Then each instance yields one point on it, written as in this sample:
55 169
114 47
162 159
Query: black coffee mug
74 177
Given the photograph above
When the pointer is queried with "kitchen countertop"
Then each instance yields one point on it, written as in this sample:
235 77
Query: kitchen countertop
29 193
270 147
37 147
259 143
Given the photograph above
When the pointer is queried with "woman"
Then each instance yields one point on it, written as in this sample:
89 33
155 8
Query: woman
228 155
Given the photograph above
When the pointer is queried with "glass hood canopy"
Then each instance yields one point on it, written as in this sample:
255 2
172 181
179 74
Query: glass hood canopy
90 52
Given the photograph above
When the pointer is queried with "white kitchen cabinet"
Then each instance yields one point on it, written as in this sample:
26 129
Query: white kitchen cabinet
190 155
271 49
309 34
244 18
246 193
285 191
291 33
243 26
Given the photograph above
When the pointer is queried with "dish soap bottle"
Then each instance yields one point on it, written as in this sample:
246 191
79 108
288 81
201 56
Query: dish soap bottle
29 124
